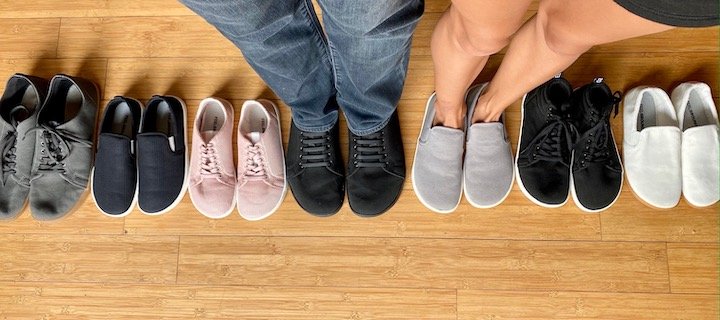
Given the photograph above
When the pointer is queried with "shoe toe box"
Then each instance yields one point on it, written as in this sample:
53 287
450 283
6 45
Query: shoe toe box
318 191
372 191
51 197
257 200
213 198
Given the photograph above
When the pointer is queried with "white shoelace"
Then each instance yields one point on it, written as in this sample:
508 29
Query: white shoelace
255 165
209 164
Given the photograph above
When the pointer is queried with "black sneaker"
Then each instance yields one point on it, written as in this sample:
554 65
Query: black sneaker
314 170
376 169
114 178
162 155
597 173
545 146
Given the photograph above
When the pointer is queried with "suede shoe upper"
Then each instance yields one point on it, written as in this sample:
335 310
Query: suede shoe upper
18 114
376 169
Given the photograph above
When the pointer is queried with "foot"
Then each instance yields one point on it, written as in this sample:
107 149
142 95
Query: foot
314 170
376 169
449 115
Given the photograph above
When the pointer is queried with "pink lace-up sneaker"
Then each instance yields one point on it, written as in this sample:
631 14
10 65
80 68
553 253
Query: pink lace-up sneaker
212 172
261 163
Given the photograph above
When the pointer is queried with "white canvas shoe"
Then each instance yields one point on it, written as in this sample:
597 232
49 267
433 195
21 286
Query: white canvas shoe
651 147
700 153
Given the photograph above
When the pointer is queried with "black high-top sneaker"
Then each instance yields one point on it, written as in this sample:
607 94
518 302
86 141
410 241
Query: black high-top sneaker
545 147
376 169
597 172
315 170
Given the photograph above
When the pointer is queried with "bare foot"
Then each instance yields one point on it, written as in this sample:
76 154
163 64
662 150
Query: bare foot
485 112
449 115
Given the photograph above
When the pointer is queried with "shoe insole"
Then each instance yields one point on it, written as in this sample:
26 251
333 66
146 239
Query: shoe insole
650 116
164 120
122 122
696 112
254 120
213 118
73 103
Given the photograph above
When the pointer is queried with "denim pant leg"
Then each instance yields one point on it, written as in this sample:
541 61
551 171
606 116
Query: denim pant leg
283 42
370 45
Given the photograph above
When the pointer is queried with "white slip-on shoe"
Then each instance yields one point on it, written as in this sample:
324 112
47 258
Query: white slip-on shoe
651 147
700 153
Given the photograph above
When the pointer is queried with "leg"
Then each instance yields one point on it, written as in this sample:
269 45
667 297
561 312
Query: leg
466 35
551 41
370 45
283 42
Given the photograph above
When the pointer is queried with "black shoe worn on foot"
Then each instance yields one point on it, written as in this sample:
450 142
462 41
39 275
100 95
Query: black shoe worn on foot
597 172
314 170
376 169
545 146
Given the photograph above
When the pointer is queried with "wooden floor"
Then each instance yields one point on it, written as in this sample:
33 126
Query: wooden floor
517 261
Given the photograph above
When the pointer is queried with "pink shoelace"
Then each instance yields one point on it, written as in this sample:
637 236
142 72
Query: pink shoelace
209 163
255 164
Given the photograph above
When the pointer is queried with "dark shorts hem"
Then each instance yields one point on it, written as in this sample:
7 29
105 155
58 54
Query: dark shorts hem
664 16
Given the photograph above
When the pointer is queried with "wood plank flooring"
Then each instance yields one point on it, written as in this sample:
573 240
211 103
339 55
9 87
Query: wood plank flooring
517 261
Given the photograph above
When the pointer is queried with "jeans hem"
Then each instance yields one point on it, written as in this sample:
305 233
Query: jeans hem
321 128
372 130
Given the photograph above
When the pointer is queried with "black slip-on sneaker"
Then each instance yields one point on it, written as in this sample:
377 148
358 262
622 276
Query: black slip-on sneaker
114 179
162 155
315 171
546 138
597 173
19 104
65 136
376 169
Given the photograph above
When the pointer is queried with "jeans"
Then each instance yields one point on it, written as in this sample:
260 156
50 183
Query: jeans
358 63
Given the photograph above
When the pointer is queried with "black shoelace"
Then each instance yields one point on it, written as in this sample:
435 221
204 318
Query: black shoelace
55 148
315 149
554 142
369 151
597 138
8 153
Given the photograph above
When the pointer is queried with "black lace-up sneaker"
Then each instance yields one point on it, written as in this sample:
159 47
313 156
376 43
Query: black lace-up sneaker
18 113
545 147
376 169
597 173
314 170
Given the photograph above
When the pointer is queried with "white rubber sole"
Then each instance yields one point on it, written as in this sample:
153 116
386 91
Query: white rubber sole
519 179
412 173
183 190
285 185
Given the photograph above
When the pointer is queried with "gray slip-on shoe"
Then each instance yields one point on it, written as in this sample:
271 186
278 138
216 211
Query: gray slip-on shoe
22 98
437 168
489 171
63 149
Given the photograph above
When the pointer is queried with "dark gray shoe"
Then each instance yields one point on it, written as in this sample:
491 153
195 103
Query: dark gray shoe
23 96
63 149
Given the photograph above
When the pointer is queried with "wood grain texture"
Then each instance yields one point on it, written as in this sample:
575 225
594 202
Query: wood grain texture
104 259
424 263
141 302
693 267
516 261
487 305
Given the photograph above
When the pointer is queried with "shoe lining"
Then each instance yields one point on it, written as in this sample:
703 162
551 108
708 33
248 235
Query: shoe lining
650 116
213 118
122 120
255 119
696 113
164 120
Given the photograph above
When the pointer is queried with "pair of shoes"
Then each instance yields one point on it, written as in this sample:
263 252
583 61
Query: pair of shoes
450 161
671 146
567 146
258 186
375 170
47 138
141 156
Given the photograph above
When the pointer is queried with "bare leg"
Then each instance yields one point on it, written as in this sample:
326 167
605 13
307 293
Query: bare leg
551 41
467 33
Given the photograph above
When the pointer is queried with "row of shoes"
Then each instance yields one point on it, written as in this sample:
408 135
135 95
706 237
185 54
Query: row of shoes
48 131
671 145
142 157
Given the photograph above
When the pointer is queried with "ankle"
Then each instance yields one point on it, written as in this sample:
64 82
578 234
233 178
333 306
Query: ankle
448 114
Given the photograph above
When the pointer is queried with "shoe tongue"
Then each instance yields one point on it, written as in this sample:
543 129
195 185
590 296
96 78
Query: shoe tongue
254 137
18 114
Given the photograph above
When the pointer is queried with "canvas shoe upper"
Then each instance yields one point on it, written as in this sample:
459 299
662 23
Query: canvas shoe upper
700 153
19 104
65 135
651 147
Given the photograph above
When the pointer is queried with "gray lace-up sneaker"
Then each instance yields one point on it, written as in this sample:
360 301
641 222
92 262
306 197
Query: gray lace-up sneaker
63 150
23 96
